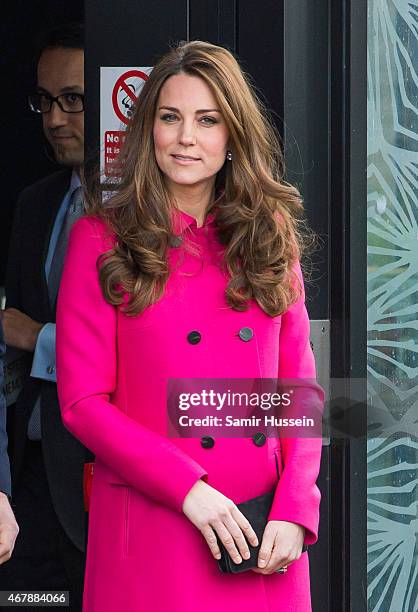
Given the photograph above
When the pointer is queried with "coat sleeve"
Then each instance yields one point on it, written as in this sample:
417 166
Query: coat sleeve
297 496
86 378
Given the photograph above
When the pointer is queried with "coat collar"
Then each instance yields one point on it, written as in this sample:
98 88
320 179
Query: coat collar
182 221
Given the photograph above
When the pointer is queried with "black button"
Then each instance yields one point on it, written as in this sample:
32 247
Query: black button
246 333
207 442
176 241
259 439
194 337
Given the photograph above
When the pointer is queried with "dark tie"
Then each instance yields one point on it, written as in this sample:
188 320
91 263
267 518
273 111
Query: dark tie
74 212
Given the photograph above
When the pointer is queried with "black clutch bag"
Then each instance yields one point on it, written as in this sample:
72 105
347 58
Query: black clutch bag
256 510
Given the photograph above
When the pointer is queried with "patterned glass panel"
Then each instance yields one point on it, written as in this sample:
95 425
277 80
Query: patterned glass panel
392 215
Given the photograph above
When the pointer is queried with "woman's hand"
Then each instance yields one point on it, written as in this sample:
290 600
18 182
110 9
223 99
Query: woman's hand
282 543
210 511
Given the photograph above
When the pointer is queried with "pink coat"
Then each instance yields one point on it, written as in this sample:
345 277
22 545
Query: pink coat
143 554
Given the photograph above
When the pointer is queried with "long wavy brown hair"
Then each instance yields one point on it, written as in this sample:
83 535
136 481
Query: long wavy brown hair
258 214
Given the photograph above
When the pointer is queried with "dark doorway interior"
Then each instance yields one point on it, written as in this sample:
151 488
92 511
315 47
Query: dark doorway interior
25 157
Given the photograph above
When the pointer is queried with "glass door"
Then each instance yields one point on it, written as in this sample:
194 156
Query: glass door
392 292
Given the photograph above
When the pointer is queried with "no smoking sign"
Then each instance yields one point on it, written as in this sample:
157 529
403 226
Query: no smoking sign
125 93
119 91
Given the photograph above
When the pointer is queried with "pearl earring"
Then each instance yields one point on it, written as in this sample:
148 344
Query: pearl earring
229 156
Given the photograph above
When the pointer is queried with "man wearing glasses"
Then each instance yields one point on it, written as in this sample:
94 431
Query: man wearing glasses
47 462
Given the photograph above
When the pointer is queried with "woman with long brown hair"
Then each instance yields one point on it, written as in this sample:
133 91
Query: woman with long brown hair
191 270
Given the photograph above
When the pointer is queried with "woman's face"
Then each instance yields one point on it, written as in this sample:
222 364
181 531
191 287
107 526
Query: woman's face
190 134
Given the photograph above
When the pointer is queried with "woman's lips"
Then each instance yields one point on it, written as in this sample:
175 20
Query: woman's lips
185 159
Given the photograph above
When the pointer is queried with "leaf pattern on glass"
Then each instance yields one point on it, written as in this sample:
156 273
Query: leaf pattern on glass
392 293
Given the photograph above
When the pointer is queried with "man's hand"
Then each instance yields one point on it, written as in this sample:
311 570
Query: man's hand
20 330
282 543
8 529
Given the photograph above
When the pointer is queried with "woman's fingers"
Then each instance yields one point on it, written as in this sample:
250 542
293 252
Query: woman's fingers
211 540
227 540
240 529
245 526
278 559
266 548
232 533
231 537
240 541
270 563
211 511
215 514
282 545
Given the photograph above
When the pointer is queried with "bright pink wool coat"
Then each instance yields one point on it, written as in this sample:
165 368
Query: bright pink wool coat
143 554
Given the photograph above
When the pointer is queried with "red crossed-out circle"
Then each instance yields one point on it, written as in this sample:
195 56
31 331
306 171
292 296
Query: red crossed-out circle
121 84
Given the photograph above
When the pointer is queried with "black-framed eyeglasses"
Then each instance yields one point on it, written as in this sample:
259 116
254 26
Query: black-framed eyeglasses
68 102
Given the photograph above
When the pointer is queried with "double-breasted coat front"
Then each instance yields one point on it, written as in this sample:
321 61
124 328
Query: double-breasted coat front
144 555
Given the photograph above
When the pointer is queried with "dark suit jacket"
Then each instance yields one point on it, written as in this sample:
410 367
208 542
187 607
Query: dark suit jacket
26 289
4 459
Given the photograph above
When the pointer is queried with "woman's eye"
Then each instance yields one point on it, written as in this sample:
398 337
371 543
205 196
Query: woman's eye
208 120
168 117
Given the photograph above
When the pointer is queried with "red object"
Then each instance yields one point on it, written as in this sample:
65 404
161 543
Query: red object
121 84
113 141
87 483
